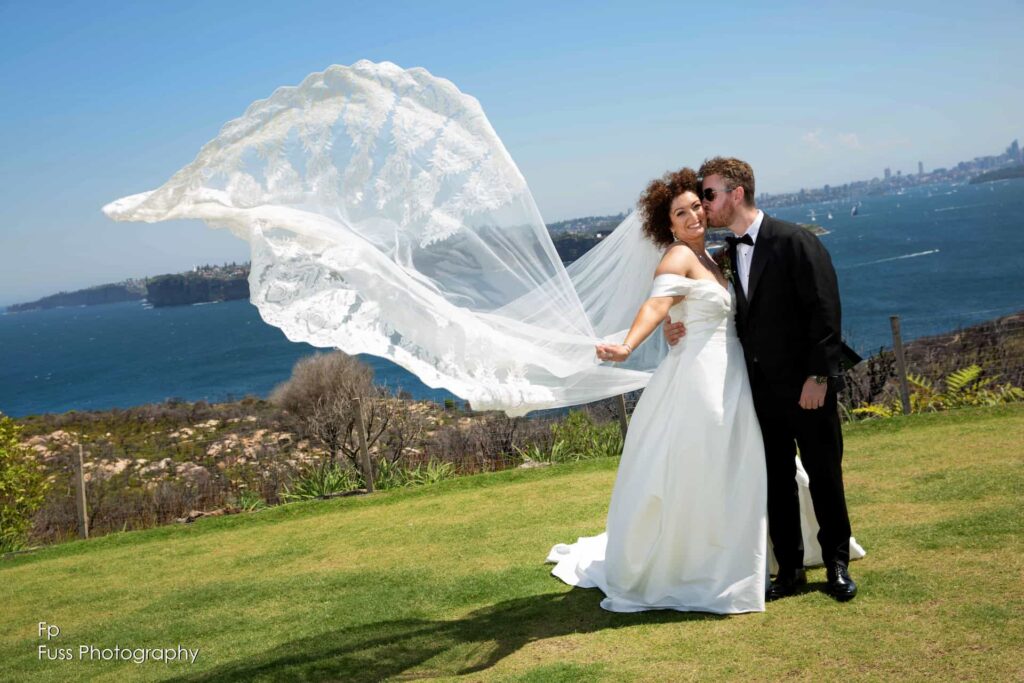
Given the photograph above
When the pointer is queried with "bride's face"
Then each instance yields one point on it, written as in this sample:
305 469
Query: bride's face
687 215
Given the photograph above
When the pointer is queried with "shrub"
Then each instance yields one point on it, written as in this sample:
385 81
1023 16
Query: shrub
578 437
389 475
249 501
535 453
431 473
22 486
320 481
963 388
323 378
326 391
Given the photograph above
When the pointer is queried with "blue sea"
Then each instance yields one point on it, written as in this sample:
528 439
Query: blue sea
940 257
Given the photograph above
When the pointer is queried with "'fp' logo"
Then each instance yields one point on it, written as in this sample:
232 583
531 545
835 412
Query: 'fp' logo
50 631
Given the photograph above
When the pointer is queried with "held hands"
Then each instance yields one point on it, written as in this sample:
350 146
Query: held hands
613 352
813 395
673 331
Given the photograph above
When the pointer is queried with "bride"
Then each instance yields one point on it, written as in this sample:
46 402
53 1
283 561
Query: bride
386 217
687 522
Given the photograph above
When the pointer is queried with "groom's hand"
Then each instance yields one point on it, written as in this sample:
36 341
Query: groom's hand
813 395
673 331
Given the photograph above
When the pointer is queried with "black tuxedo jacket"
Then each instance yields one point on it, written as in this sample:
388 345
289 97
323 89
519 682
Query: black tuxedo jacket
789 320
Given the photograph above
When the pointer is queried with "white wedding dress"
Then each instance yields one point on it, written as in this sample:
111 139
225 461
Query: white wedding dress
687 522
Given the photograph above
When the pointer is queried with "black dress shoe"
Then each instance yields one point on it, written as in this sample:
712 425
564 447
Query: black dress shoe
786 582
840 586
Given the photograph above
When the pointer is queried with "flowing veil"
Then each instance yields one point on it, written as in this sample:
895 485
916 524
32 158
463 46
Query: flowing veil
386 217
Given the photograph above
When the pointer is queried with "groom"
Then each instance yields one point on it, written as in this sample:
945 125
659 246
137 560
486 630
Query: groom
788 319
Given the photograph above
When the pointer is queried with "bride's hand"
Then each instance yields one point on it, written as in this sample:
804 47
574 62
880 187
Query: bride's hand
612 352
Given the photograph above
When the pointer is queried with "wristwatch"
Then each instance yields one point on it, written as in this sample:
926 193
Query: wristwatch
820 379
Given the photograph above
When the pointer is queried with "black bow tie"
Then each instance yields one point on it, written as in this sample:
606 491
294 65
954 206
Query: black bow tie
733 240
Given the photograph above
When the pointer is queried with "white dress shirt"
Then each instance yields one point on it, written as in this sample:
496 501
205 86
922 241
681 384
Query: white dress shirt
745 252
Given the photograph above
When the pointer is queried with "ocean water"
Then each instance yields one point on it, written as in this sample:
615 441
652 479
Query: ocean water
940 257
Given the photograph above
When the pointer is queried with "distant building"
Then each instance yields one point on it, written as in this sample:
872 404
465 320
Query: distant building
920 168
888 173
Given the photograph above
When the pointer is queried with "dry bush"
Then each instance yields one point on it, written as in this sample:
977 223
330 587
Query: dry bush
487 442
326 392
867 382
323 378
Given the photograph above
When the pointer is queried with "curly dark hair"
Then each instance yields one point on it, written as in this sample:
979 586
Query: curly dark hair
656 200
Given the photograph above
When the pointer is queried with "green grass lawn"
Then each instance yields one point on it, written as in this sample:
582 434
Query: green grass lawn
449 581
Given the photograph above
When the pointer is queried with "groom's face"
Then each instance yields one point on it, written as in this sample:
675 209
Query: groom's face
720 210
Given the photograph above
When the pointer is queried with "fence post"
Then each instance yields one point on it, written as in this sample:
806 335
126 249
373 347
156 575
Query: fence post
623 420
901 363
83 511
364 453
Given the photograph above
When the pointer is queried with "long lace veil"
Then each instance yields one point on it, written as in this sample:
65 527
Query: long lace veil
386 217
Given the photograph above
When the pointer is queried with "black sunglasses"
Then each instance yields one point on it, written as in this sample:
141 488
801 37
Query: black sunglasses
709 193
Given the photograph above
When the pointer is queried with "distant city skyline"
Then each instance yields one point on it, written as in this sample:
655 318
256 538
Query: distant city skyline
592 101
962 171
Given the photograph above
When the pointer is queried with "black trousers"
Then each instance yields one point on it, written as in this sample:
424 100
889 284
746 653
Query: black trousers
786 426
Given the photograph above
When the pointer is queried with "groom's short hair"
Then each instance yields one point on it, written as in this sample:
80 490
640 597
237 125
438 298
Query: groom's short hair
737 173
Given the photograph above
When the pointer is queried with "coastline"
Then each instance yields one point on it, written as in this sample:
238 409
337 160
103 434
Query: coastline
932 356
212 284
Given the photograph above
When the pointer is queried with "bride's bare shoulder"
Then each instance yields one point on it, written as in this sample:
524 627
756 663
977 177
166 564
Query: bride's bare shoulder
679 259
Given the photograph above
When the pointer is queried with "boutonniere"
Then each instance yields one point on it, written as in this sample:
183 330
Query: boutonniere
724 263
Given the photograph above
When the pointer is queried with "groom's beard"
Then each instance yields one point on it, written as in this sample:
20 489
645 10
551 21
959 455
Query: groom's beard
722 218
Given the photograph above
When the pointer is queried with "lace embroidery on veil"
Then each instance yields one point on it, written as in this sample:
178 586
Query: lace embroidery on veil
385 216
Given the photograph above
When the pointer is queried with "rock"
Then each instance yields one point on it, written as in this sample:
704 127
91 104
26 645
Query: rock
196 514
192 473
159 467
533 464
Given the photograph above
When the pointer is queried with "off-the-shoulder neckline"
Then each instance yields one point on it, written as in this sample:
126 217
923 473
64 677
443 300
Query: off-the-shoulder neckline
716 283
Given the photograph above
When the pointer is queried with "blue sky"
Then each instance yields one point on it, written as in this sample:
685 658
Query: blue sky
103 99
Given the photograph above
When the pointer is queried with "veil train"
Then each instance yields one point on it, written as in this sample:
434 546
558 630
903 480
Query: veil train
386 217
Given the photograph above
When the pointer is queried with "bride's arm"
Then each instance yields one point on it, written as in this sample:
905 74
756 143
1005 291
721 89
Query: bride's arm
650 315
653 311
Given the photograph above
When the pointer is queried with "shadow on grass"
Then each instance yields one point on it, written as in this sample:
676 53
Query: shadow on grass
419 648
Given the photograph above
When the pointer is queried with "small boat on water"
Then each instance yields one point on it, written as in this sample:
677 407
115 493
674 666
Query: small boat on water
853 210
830 215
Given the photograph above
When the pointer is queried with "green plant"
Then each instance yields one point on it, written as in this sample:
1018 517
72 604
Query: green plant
875 410
319 481
963 388
431 473
534 453
577 437
389 475
248 500
22 486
